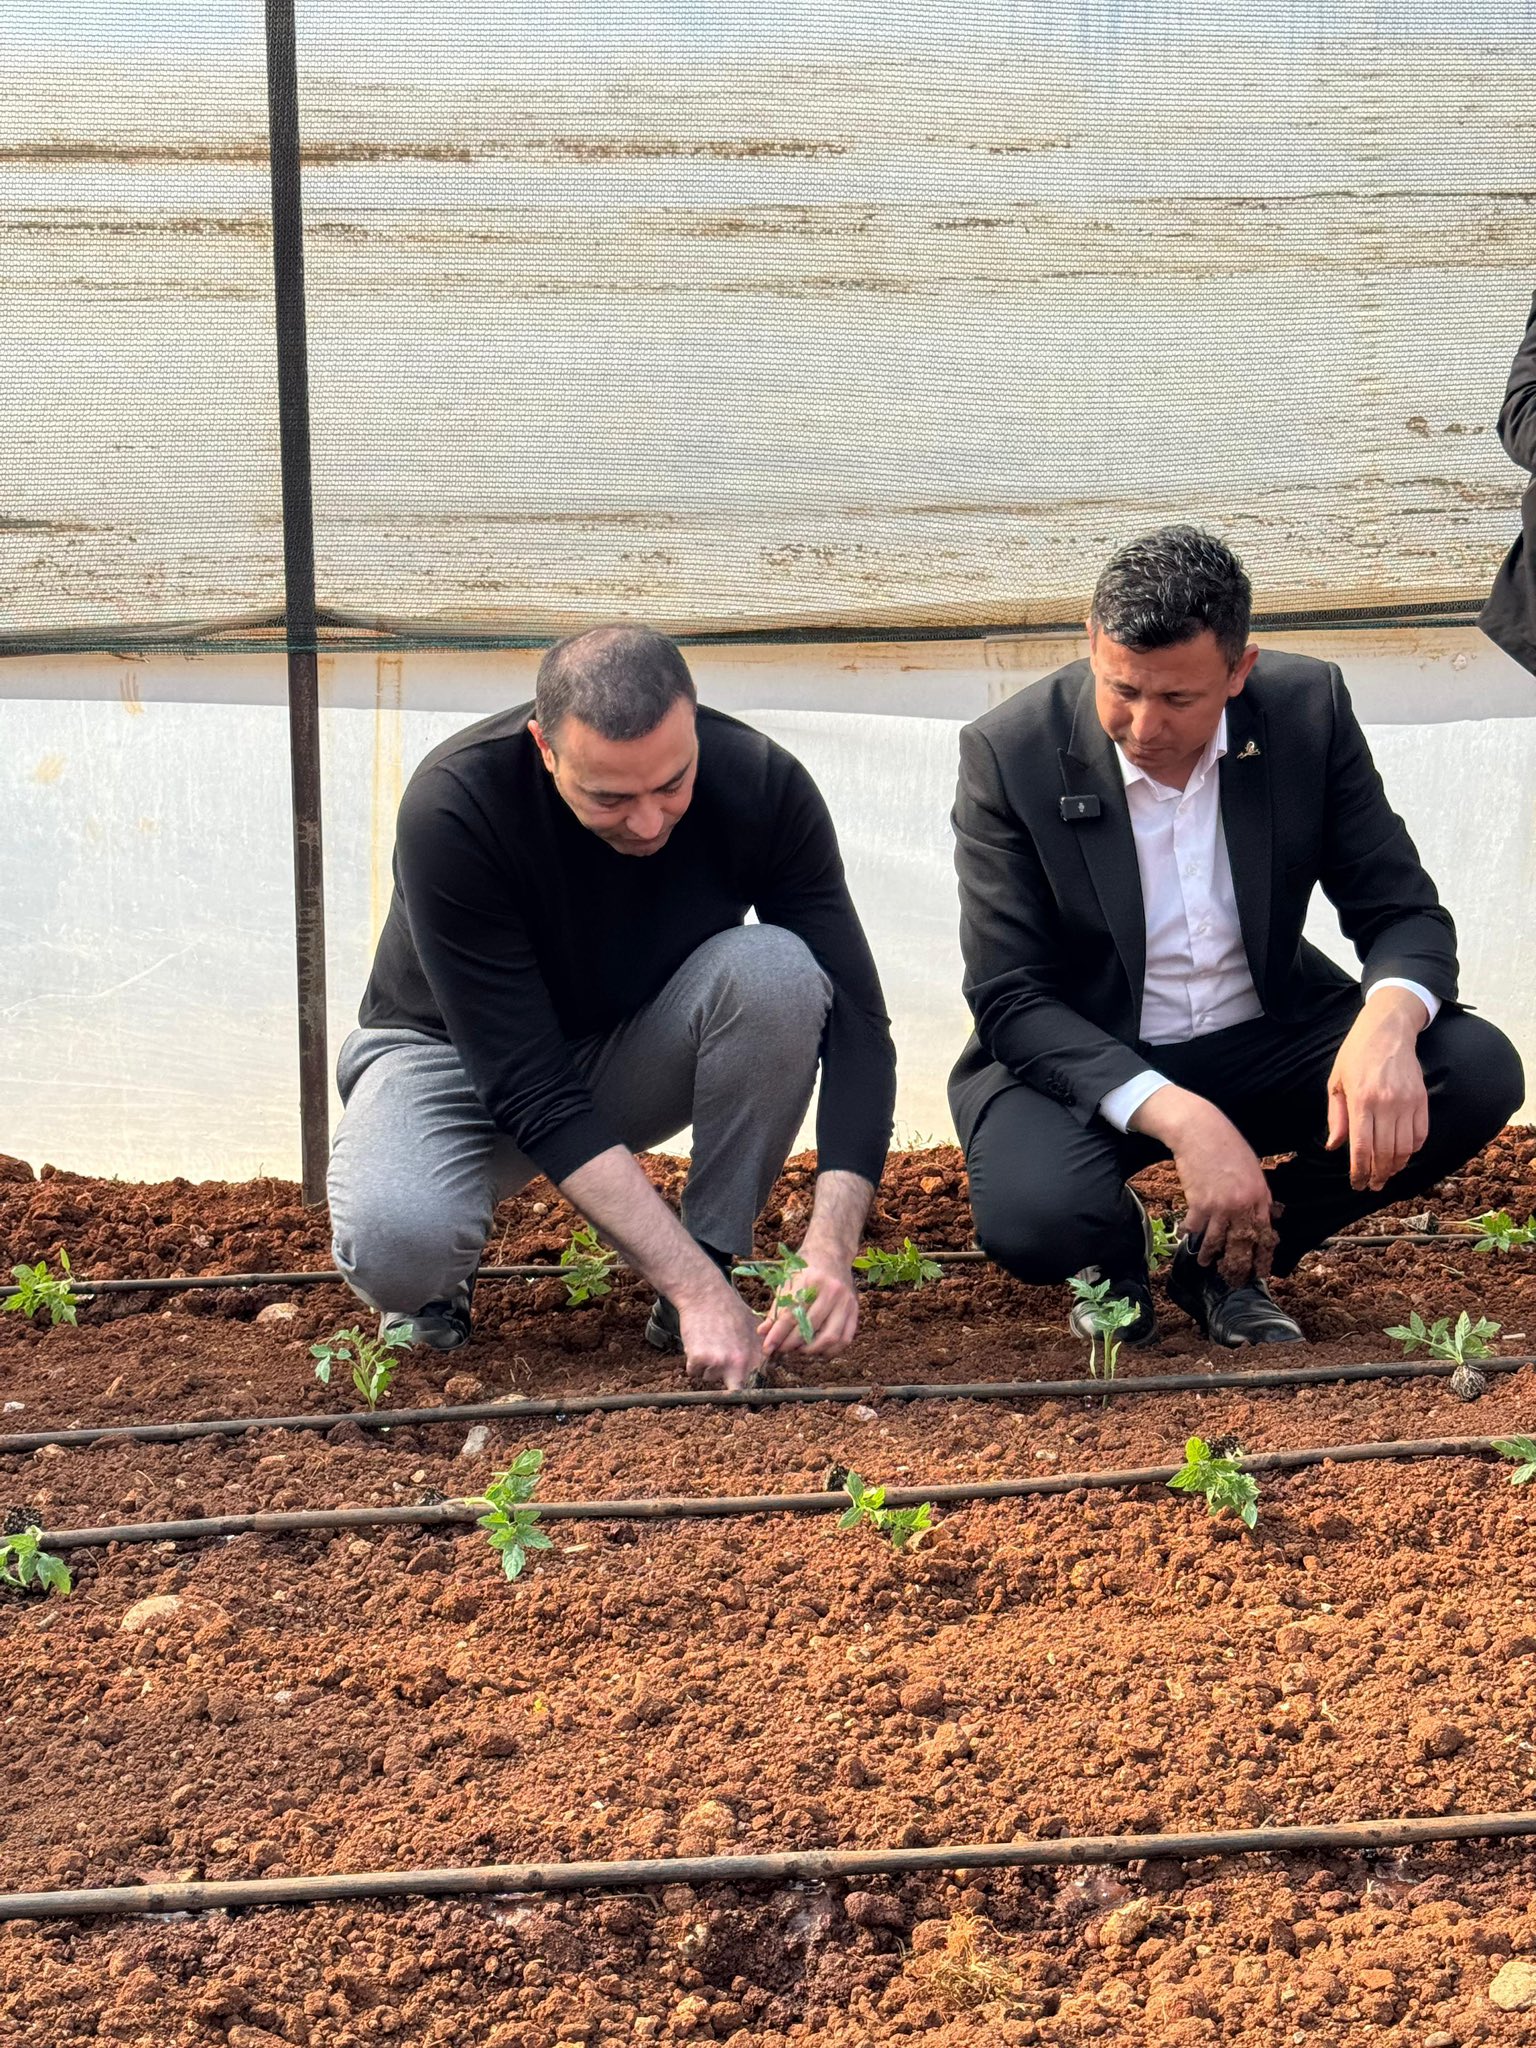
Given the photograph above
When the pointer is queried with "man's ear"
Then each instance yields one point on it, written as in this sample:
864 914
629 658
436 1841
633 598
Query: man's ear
1243 671
546 751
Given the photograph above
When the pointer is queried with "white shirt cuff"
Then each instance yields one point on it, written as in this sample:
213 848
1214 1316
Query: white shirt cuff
1431 1003
1122 1103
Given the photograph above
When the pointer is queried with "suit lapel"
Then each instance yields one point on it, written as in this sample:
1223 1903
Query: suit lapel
1090 767
1248 824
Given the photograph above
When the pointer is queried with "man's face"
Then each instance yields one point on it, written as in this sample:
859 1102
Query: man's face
629 792
1162 706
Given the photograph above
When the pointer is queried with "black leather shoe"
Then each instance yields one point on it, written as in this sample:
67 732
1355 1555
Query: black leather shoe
1232 1316
663 1327
440 1325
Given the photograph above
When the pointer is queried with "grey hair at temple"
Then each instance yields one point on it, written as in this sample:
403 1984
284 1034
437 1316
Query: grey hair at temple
619 680
1168 586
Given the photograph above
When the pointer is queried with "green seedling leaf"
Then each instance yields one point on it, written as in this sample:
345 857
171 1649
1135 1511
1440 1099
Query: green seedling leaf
1165 1242
779 1275
585 1265
373 1361
1523 1450
27 1567
36 1288
1469 1339
1501 1233
897 1525
906 1268
1220 1479
1107 1315
513 1527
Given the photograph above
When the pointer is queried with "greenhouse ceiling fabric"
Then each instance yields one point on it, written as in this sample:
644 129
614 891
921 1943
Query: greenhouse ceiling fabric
889 318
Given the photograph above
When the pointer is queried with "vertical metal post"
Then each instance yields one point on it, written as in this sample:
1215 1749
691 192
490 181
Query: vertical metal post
299 583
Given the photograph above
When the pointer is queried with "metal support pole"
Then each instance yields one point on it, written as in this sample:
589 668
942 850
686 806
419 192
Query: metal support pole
299 585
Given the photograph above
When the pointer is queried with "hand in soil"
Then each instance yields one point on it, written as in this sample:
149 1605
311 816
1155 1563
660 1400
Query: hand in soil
831 1307
720 1339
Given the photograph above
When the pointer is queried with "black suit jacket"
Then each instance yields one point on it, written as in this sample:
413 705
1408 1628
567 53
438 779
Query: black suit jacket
1051 920
1509 616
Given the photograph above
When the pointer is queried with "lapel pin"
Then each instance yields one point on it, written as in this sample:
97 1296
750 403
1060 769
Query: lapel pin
1249 753
1075 810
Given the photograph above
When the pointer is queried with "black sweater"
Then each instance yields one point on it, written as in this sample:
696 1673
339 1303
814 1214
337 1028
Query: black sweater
514 931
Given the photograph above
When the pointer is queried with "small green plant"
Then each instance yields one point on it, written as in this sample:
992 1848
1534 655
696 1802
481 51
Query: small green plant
374 1360
511 1524
779 1274
1214 1471
1106 1316
897 1525
37 1288
1523 1450
24 1565
585 1265
1501 1233
1165 1242
906 1268
1457 1347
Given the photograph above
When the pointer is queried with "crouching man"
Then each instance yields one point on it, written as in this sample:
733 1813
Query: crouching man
1138 839
566 978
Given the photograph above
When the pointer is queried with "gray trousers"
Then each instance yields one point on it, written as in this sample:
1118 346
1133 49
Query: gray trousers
730 1045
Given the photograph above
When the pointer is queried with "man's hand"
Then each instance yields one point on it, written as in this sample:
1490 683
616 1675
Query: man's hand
721 1338
1230 1207
831 1241
1377 1099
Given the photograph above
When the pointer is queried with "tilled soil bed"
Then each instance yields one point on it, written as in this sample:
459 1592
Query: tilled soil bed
1087 1663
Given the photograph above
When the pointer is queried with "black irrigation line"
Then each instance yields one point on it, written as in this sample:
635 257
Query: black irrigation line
701 1507
562 1406
328 1275
796 1866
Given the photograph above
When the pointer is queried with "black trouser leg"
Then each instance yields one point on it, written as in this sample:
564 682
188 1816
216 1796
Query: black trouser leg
1049 1195
1273 1083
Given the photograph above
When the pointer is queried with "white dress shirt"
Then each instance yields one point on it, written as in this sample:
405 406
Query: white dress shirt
1197 976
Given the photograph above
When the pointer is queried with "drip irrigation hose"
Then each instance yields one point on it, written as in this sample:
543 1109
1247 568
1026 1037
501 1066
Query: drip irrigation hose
796 1866
174 1283
689 1507
561 1406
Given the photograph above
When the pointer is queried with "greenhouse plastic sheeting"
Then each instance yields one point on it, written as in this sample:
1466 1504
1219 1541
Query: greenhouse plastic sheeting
818 314
148 1012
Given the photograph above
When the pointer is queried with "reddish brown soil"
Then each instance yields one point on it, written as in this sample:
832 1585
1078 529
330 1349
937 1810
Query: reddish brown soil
1074 1664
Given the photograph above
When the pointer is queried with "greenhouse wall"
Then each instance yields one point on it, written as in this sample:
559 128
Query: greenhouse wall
149 1004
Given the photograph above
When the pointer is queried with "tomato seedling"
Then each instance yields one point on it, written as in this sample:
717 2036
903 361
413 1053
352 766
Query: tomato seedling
1523 1450
897 1525
585 1265
1457 1347
37 1288
511 1525
373 1360
1106 1315
1501 1233
906 1268
1214 1471
1165 1242
779 1274
27 1567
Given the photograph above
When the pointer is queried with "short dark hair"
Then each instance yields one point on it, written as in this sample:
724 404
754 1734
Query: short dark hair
620 680
1170 585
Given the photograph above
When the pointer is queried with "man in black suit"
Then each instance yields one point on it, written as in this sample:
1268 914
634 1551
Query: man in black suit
1138 837
1509 617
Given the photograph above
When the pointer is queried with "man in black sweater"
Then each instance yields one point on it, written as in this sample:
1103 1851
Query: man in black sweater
1509 617
566 977
1138 838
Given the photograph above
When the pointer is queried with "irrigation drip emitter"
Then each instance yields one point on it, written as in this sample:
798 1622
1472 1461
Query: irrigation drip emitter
560 1407
696 1507
796 1866
325 1276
